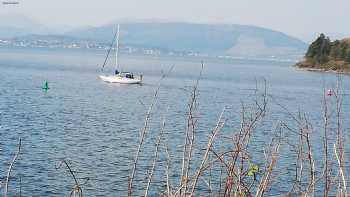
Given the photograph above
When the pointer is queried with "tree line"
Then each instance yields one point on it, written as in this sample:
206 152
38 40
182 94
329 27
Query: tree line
323 50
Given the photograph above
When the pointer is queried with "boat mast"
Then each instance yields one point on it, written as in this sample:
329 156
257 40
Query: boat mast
117 49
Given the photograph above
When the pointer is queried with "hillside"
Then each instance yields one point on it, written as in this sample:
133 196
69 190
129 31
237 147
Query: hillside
325 55
14 25
17 25
346 40
234 40
205 39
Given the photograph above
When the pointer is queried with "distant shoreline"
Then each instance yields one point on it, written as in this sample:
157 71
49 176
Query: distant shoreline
102 52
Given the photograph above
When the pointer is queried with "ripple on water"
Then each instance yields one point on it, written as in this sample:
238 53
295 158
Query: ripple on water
96 126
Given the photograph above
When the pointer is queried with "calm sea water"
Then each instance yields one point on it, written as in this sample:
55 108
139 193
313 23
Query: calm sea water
95 125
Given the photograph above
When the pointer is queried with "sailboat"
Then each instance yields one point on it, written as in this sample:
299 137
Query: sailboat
119 77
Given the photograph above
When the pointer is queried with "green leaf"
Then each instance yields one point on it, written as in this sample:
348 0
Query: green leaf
252 169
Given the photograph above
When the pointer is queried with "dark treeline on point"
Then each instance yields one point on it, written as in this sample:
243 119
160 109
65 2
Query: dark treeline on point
328 55
323 50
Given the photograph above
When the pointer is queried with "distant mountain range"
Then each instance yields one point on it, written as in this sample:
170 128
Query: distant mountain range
212 39
235 40
18 25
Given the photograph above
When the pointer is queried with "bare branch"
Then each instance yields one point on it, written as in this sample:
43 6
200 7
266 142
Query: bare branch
10 168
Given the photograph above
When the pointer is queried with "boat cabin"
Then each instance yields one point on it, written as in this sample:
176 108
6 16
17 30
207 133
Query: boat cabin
128 75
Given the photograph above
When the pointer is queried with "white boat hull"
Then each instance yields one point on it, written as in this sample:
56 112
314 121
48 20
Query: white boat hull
119 79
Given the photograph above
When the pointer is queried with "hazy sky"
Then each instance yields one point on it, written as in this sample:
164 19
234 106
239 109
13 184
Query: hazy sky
300 18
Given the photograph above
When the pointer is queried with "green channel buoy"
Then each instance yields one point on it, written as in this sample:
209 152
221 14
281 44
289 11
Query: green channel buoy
46 85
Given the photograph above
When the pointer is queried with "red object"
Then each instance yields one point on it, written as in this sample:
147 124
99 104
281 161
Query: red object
329 92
